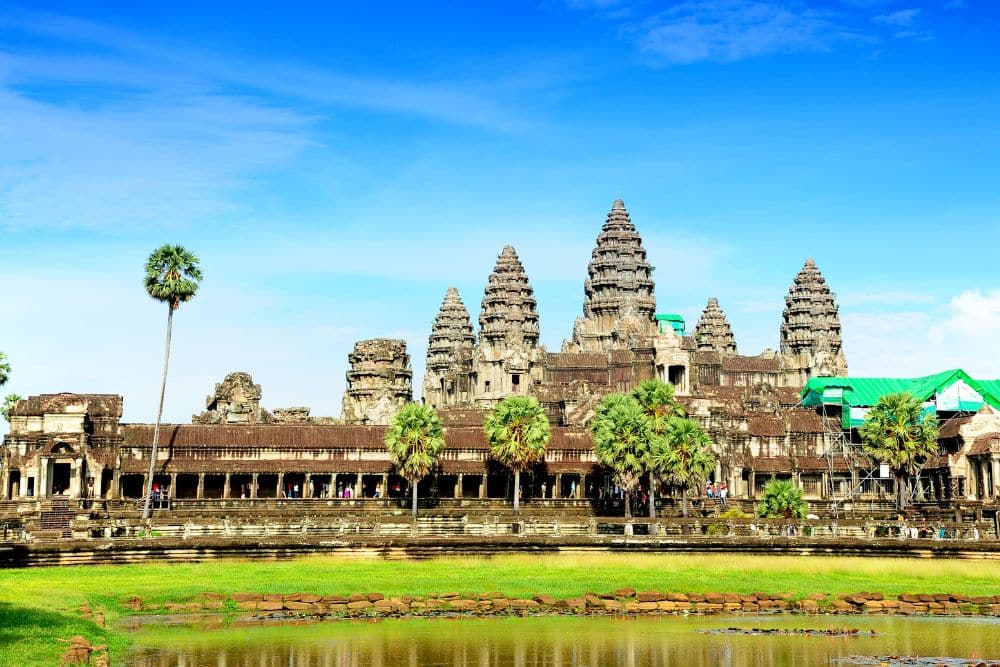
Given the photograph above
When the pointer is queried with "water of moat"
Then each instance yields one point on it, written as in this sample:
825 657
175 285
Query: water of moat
577 641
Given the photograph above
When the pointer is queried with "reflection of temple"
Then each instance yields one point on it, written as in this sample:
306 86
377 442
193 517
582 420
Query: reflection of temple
750 405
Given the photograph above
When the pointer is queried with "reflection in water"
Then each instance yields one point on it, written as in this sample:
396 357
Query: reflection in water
559 642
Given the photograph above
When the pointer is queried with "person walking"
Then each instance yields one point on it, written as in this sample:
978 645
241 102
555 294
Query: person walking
724 493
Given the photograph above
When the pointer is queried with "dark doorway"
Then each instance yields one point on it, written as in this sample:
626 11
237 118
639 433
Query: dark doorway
14 487
107 478
60 478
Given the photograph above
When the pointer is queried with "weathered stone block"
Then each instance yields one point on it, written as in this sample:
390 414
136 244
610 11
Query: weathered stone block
650 596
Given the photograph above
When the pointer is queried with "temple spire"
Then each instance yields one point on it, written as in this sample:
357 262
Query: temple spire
618 292
810 326
713 332
509 312
451 331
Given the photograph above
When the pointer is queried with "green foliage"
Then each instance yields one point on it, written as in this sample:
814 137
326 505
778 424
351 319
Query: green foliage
657 401
9 402
4 369
415 439
686 455
781 499
518 432
898 433
622 438
734 513
172 275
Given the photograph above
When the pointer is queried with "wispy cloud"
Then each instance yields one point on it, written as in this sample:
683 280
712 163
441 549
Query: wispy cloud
729 30
903 23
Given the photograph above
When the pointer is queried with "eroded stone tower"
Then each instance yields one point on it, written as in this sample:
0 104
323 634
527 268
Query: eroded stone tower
713 333
379 381
508 358
236 401
810 327
619 305
449 354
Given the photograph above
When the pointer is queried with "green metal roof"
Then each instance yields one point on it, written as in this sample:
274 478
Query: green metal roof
865 392
670 317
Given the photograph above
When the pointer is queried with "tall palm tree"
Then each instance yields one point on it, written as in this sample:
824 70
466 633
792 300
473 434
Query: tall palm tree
9 402
686 456
4 369
622 441
518 432
172 277
657 401
415 440
898 432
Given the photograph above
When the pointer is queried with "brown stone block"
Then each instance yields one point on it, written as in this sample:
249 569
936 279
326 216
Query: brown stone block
523 604
492 595
357 597
677 597
434 603
770 604
296 605
544 599
708 607
714 598
336 599
806 604
878 597
890 604
464 605
908 597
625 592
681 606
748 598
732 606
612 605
650 596
336 608
270 605
781 604
418 605
750 606
982 599
695 597
995 609
923 597
842 606
247 604
818 597
906 608
630 606
942 597
375 597
872 606
291 597
646 606
731 598
358 605
309 597
500 603
761 596
449 596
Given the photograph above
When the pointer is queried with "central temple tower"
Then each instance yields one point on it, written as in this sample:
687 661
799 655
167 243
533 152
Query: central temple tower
619 305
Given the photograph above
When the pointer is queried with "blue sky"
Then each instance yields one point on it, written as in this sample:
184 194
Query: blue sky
337 167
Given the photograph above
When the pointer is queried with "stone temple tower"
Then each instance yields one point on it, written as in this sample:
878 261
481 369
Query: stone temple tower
379 381
508 359
618 294
810 328
449 354
713 333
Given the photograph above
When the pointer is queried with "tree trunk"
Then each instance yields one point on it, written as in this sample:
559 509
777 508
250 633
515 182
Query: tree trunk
684 502
652 496
628 505
517 491
900 491
414 484
159 414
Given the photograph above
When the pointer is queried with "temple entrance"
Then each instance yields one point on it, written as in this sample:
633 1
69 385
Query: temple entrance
240 486
267 486
132 486
107 478
61 475
214 486
470 485
295 483
446 485
319 486
187 486
14 485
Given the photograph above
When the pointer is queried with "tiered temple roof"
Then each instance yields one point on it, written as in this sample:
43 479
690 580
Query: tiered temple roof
619 278
713 332
509 312
810 321
379 381
451 331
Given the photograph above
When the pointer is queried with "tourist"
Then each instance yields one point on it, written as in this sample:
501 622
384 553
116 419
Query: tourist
295 492
724 493
544 489
347 491
340 490
715 490
708 490
378 490
572 489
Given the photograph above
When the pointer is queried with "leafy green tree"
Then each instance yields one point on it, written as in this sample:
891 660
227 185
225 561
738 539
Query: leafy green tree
4 369
622 441
8 404
657 401
898 432
172 277
415 440
518 432
781 499
686 455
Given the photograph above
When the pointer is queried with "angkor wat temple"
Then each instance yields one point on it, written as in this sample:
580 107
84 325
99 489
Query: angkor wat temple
752 406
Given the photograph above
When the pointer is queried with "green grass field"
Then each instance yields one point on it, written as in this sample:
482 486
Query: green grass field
39 605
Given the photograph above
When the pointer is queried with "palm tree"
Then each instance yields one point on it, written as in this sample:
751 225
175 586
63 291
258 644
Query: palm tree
781 499
686 455
657 401
415 440
898 432
8 404
172 277
518 432
4 369
622 441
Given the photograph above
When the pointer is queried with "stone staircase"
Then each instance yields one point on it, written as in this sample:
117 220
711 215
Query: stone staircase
56 518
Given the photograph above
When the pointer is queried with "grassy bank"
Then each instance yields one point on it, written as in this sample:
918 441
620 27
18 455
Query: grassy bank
39 605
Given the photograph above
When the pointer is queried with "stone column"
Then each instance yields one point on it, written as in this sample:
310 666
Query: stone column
4 482
357 486
306 486
253 486
751 484
225 489
333 485
482 485
385 485
173 485
557 489
458 486
581 491
281 485
995 463
200 493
